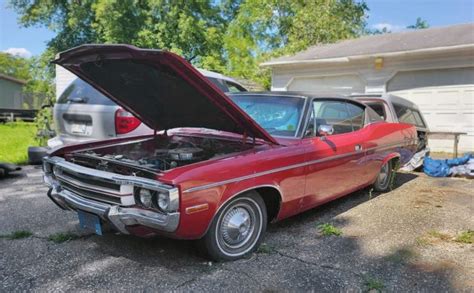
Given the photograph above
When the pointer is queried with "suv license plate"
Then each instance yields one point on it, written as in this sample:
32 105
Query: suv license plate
90 222
78 128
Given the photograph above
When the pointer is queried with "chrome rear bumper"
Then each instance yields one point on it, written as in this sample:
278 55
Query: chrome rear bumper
119 217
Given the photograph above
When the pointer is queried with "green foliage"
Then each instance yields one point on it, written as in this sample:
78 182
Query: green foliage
466 237
266 249
372 284
228 36
419 24
327 229
15 139
62 237
14 66
20 234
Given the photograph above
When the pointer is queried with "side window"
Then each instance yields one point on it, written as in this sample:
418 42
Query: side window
379 108
418 119
357 115
343 117
404 114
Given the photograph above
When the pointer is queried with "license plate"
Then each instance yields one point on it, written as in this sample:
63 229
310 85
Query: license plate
89 221
78 128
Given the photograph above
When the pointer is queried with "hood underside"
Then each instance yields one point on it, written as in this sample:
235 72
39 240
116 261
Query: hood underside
159 87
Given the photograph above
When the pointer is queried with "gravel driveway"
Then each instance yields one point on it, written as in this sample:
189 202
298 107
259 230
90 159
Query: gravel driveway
404 240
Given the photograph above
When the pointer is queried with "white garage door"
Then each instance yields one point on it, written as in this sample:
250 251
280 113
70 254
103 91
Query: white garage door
446 99
342 84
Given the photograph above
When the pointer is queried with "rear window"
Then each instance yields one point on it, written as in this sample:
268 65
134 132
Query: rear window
82 93
407 115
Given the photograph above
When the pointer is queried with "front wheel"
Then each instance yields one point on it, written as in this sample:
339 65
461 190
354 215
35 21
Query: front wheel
237 229
385 177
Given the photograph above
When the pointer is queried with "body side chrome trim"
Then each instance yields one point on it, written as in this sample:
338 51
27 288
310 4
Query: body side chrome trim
280 169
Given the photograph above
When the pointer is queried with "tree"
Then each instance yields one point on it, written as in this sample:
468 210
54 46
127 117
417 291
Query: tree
13 66
270 28
228 36
420 24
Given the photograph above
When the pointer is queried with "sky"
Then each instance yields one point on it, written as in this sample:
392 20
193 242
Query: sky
395 15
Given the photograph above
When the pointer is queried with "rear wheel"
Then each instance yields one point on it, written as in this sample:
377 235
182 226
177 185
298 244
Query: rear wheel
385 177
237 229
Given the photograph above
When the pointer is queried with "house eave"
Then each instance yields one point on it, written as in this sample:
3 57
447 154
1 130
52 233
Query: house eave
347 59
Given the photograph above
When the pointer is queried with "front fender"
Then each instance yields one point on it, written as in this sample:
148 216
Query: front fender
194 225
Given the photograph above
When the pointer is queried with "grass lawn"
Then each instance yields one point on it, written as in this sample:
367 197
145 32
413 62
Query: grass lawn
15 138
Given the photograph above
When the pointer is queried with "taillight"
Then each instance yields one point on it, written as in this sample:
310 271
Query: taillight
125 122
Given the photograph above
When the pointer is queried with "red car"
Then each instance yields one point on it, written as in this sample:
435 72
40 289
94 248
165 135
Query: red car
218 168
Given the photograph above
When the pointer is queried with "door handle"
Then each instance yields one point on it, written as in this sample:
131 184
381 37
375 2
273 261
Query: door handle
358 147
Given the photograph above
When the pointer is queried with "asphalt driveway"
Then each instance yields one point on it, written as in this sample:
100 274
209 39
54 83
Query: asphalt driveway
404 240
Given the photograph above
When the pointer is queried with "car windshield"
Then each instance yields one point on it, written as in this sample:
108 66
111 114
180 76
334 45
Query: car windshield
278 115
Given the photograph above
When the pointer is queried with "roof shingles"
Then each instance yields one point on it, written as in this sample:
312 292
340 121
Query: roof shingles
412 40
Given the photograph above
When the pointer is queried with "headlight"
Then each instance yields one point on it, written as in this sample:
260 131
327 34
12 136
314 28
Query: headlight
145 197
163 201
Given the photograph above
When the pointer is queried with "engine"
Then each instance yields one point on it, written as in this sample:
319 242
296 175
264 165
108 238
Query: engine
161 154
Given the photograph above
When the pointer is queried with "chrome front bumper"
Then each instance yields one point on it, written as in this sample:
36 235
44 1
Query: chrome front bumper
119 217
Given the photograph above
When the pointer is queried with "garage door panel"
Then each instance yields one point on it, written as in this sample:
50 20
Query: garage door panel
342 84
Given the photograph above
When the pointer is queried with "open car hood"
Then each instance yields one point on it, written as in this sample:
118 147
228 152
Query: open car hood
160 88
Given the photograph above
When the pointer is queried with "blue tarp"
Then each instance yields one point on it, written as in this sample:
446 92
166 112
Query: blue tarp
442 168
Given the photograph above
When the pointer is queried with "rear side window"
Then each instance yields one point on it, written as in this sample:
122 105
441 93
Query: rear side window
407 115
81 92
379 108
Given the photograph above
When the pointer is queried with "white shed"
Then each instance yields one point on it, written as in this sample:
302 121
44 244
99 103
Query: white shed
433 68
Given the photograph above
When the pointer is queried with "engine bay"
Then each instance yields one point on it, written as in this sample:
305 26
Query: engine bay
161 153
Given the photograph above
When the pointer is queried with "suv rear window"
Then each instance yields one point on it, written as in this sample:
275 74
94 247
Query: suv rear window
82 93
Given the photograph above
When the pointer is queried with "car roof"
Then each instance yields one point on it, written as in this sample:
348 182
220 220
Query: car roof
387 97
213 74
294 94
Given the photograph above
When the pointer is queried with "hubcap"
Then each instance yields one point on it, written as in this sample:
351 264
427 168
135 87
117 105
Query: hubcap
236 227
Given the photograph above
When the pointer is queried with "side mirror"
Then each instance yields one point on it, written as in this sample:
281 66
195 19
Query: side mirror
325 130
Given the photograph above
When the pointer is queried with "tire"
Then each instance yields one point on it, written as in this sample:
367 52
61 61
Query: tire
385 177
36 154
223 242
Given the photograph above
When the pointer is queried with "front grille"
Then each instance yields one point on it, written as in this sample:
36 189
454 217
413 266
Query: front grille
89 186
90 180
89 193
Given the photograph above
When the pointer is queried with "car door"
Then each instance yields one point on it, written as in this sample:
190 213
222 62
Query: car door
335 162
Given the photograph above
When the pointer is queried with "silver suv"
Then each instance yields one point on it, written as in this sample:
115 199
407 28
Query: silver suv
82 113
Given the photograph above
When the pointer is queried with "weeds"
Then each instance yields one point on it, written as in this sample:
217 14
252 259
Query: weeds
266 249
396 166
327 229
373 284
466 237
439 235
20 234
62 237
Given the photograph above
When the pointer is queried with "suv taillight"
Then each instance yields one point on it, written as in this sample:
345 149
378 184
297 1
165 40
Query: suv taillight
125 122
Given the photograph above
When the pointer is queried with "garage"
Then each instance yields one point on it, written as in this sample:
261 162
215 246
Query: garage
445 97
433 68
